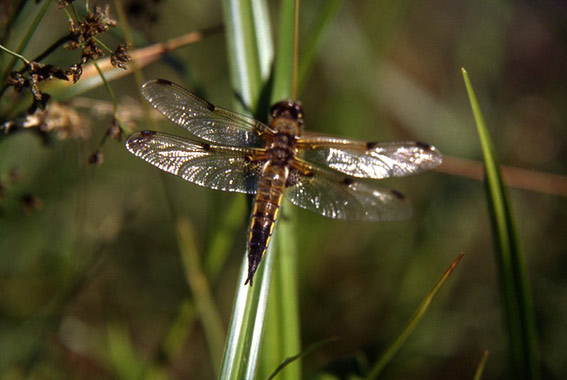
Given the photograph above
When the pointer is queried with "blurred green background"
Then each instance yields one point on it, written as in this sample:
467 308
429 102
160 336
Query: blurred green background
91 281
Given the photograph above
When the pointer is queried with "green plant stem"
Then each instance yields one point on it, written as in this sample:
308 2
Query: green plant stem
108 87
99 42
24 59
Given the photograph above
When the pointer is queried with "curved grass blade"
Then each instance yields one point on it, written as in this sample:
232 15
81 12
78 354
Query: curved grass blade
516 294
394 348
480 368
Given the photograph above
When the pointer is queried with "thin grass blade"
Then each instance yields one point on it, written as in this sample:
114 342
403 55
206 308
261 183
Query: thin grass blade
377 369
516 295
480 368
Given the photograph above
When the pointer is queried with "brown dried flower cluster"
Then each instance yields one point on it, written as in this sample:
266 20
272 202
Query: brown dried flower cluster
120 56
64 121
83 35
84 38
37 72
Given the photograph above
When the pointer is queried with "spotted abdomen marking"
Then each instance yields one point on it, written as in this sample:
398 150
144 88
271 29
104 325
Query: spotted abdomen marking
265 212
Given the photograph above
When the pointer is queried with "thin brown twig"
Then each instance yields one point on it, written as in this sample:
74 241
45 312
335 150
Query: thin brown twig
146 55
514 177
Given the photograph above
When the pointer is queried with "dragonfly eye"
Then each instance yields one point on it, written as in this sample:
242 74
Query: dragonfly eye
287 109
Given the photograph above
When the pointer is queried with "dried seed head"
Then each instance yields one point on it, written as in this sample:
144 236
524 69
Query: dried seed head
120 56
17 80
91 50
75 71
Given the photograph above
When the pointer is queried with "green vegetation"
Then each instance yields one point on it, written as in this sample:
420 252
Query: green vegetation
110 269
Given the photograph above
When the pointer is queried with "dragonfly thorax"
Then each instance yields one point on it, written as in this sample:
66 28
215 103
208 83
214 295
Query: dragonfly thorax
287 122
283 148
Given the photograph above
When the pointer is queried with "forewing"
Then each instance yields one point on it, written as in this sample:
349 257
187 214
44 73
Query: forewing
201 118
215 167
368 159
342 197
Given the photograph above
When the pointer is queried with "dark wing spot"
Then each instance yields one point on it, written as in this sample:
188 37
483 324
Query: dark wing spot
205 146
147 134
163 82
423 145
347 181
210 106
397 194
371 145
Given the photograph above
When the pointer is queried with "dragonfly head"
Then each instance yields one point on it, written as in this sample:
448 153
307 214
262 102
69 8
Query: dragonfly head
287 109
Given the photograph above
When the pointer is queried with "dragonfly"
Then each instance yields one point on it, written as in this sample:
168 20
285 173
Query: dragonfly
231 152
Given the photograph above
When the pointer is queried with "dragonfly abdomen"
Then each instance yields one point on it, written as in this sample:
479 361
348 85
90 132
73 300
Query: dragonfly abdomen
265 212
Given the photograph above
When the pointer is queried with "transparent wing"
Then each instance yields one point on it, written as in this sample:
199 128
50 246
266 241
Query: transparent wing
215 167
342 197
369 159
202 118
